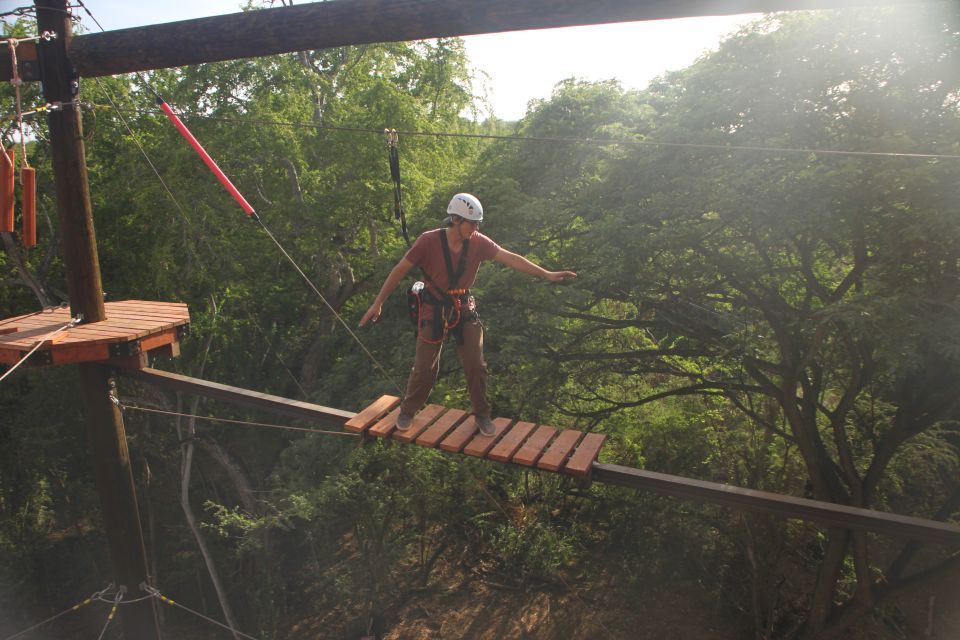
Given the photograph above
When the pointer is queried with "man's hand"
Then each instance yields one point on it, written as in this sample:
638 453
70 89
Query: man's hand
372 314
560 276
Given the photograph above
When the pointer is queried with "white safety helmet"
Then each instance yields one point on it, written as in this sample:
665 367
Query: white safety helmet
466 206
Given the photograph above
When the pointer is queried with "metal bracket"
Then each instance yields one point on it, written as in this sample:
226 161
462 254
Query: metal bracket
124 349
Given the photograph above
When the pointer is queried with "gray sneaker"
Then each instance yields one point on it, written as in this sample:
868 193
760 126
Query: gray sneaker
485 425
404 420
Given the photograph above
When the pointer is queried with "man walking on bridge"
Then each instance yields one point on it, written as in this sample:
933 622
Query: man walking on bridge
446 306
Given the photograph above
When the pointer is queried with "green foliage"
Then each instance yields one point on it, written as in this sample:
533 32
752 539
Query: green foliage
783 319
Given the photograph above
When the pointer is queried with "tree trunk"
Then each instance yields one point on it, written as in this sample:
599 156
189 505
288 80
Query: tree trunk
821 604
26 278
186 470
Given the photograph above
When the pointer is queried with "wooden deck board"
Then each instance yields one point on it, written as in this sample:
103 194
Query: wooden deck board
421 421
386 425
583 458
555 456
481 445
459 437
531 451
363 420
154 324
440 428
511 442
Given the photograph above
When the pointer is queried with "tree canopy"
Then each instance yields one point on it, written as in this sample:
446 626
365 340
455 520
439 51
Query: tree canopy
767 244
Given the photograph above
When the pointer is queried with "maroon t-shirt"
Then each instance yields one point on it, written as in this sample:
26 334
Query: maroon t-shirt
427 253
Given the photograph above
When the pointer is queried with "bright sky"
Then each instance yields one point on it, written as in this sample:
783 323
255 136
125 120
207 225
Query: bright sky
521 66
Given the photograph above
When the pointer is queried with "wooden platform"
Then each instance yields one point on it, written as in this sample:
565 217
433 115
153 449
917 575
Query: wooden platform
133 329
524 443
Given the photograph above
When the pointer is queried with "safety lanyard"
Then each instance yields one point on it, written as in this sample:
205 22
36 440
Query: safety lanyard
393 143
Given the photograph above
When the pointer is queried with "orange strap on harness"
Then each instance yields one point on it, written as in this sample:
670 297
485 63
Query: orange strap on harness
448 322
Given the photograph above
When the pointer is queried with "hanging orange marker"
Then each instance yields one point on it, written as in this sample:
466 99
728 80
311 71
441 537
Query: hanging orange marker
28 213
7 183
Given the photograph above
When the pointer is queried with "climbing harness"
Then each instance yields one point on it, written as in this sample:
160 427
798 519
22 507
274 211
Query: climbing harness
393 142
450 306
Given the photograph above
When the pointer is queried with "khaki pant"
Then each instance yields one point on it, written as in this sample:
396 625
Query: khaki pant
426 366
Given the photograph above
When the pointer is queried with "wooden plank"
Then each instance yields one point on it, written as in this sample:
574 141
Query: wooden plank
36 318
481 444
5 330
460 436
151 306
530 452
171 350
111 324
35 327
826 513
81 353
94 333
421 421
10 356
151 342
511 442
555 456
324 416
582 460
57 338
27 336
147 310
440 428
362 421
386 425
148 304
162 319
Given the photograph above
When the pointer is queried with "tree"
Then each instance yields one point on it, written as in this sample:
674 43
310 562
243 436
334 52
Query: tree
815 293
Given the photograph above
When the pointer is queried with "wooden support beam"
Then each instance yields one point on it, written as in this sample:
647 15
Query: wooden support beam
315 413
111 459
322 25
78 244
826 513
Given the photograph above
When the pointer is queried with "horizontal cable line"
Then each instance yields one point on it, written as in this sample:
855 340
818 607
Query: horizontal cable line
597 141
125 407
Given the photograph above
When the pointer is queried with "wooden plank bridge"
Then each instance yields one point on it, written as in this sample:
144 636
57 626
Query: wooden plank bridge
455 431
452 430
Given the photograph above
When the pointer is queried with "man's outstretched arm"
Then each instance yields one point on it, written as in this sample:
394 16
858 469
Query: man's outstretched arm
397 274
519 263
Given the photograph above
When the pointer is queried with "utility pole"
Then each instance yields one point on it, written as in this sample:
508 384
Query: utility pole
118 499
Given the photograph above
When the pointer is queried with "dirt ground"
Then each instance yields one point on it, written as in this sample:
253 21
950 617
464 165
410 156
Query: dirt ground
474 612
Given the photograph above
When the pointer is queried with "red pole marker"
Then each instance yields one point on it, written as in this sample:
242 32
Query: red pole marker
7 184
28 214
221 176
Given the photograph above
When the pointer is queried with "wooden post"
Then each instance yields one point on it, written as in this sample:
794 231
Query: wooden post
118 498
